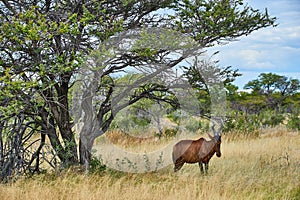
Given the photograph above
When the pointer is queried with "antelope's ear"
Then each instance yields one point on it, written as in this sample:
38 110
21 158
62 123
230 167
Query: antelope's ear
211 137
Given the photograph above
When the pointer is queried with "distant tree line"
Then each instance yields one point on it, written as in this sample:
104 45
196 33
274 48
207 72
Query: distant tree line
269 100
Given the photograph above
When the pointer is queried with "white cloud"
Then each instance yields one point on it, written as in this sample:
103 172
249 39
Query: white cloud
250 56
277 35
288 29
272 49
247 56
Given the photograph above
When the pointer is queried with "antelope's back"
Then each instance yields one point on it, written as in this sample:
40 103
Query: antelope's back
186 148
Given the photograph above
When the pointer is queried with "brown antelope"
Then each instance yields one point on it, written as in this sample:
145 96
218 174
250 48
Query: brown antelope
197 151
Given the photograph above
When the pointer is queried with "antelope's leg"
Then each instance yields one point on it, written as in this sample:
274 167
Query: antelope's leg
178 165
206 167
201 166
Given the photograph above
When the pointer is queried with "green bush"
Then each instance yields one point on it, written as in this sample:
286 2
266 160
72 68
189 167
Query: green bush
193 125
170 132
96 165
130 122
271 118
243 124
141 121
294 122
174 117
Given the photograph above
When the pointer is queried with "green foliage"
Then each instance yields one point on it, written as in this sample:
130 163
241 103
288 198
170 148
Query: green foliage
132 119
147 163
272 100
170 132
96 165
141 121
210 21
242 125
268 83
150 42
295 193
271 118
251 122
193 125
175 116
294 122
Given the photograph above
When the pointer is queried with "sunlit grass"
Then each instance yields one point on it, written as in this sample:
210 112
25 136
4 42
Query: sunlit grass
265 167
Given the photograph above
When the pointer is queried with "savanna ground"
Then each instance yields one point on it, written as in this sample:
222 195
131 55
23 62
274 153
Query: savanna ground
266 166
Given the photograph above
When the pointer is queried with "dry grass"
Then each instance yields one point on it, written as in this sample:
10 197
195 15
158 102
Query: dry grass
266 167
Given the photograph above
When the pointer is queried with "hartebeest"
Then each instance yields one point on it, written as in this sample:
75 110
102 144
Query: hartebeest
197 151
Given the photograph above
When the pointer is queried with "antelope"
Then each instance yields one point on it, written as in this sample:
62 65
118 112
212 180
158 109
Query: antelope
197 151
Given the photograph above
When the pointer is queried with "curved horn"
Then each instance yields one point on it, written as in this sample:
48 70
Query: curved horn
209 135
221 125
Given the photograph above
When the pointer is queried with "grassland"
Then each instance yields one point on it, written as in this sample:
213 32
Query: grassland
262 167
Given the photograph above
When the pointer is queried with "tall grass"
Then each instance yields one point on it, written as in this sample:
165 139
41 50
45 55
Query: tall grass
265 167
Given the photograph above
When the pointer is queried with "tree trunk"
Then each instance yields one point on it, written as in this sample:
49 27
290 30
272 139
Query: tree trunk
90 131
68 154
85 150
1 145
71 154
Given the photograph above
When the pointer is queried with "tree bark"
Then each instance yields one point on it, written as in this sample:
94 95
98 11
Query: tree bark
85 148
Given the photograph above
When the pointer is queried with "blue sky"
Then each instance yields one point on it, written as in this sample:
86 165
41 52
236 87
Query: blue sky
272 49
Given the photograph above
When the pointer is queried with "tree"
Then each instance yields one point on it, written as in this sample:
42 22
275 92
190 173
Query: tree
276 88
203 75
43 45
272 100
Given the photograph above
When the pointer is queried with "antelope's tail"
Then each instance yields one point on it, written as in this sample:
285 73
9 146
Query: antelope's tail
173 157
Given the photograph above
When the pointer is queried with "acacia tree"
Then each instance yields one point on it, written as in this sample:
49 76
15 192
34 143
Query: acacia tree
43 44
276 88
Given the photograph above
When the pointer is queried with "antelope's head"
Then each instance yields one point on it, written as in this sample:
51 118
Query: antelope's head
217 138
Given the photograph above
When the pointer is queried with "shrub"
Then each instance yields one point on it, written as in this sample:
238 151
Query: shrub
170 132
271 118
192 125
294 122
96 165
